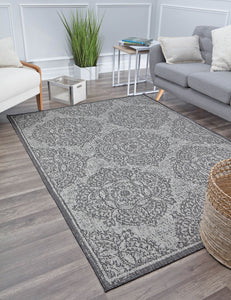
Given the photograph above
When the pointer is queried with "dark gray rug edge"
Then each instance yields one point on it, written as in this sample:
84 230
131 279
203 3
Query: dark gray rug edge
71 225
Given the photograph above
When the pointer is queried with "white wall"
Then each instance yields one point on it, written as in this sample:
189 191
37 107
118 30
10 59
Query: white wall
40 37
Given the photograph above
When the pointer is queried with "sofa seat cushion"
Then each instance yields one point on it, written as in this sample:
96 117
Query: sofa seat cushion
15 81
178 73
214 84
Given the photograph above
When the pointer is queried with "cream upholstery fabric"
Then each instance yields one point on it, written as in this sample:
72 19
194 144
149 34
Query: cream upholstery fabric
181 49
4 105
221 56
8 57
15 81
17 85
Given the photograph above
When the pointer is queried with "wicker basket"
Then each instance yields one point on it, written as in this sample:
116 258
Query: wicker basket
215 227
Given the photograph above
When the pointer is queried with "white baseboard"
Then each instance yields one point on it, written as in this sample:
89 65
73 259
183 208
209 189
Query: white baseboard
105 65
48 73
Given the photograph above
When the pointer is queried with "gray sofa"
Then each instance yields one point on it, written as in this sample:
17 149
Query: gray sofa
193 82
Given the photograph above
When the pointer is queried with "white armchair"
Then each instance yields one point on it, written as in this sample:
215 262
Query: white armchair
20 84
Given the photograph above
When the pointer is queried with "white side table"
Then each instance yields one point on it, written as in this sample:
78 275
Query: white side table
137 51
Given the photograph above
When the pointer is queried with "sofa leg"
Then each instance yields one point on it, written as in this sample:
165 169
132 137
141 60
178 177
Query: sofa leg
159 95
39 99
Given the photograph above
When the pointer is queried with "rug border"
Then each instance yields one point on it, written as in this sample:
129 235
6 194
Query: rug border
136 274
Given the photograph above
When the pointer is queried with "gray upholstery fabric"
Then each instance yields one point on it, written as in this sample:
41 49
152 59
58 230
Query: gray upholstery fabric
214 84
191 96
206 46
178 73
204 32
209 91
156 56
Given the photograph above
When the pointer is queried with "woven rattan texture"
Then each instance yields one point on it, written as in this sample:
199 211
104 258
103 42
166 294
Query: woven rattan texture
219 187
216 221
216 234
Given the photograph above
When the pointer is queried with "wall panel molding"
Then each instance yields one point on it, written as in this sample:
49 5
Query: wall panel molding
225 13
38 6
8 6
111 5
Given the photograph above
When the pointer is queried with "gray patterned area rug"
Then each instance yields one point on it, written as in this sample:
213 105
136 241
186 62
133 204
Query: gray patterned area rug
129 176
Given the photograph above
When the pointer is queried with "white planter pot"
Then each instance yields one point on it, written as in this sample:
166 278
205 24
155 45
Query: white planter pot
88 73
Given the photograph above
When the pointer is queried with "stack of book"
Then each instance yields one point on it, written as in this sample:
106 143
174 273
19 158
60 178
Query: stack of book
135 41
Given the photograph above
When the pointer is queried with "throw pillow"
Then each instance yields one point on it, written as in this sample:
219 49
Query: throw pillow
181 49
8 57
221 56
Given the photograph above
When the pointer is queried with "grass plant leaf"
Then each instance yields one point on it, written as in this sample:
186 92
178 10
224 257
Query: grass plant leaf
84 37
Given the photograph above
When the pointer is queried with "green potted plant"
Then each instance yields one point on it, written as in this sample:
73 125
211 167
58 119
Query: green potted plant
85 42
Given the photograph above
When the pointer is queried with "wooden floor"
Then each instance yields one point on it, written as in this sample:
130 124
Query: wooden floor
40 258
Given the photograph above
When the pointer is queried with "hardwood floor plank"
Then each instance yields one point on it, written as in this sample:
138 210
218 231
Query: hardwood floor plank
8 171
37 265
198 286
26 207
25 198
32 233
158 283
23 186
40 258
42 216
223 293
65 282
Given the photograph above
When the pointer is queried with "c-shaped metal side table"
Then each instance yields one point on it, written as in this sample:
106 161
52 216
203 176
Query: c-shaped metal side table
137 51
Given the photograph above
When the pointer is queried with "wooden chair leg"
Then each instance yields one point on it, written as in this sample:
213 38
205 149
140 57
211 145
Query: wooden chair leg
39 101
159 95
39 98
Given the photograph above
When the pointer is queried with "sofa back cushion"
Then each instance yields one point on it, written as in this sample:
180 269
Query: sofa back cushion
205 41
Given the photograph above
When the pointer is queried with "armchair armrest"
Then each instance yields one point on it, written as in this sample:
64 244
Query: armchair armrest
39 96
156 56
26 64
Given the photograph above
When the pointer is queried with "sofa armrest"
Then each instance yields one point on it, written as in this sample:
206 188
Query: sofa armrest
156 56
37 69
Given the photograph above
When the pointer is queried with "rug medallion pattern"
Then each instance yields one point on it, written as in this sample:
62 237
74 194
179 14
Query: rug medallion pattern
129 176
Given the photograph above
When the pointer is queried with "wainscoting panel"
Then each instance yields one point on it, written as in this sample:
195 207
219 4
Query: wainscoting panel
177 20
123 20
40 37
44 35
6 21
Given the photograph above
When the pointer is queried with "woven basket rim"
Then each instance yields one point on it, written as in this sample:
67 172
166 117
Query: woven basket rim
213 180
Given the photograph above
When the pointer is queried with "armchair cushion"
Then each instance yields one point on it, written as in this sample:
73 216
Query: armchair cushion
8 57
178 73
15 81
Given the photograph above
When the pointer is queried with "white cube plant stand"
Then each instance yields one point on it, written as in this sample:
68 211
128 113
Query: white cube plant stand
87 73
67 90
137 51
